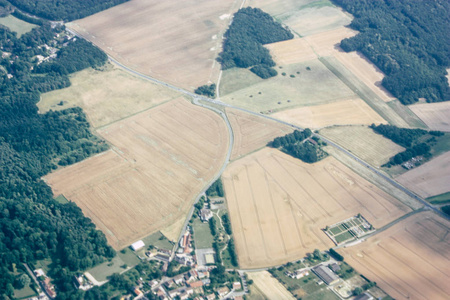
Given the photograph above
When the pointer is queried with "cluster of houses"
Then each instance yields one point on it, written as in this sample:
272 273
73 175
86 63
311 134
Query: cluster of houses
45 283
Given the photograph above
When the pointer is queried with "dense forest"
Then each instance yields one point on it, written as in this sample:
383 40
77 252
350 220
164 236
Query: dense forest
33 226
418 142
243 44
66 10
298 145
408 40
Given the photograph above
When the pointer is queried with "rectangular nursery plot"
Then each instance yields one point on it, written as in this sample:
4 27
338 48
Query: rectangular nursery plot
349 230
279 205
160 160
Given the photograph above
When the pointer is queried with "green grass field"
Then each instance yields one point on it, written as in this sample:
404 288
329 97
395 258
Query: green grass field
24 293
408 115
61 199
116 265
17 25
364 92
304 88
157 239
345 236
202 234
440 199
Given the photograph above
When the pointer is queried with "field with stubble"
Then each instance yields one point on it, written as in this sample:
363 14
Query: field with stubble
252 132
435 115
269 286
409 260
160 160
430 179
174 41
279 205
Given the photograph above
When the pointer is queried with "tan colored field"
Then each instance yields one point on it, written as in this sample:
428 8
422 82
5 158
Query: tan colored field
270 286
252 132
291 51
435 115
363 142
304 17
278 205
106 96
173 41
327 43
430 179
344 112
159 162
409 260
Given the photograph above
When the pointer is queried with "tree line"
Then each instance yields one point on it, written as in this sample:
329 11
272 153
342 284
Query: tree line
250 29
33 226
408 41
66 10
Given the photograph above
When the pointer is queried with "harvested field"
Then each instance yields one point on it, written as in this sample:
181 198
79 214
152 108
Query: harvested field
344 112
327 43
279 205
363 142
252 132
160 160
269 286
304 17
291 51
409 260
174 41
235 79
435 115
106 96
304 88
429 179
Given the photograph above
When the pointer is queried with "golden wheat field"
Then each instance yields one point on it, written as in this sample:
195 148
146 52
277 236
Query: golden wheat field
159 161
174 41
279 204
409 260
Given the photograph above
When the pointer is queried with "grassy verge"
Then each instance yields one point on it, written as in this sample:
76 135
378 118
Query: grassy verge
61 199
408 115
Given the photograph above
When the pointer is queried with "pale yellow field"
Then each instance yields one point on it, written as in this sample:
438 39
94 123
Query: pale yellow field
409 260
278 205
291 51
160 160
435 115
304 17
270 286
344 112
252 132
173 41
363 142
430 179
106 96
327 43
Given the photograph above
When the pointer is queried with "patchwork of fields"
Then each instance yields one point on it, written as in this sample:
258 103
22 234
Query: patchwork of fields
409 260
279 205
159 162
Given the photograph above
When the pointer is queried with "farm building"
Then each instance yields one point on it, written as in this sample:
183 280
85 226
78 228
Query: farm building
334 267
205 214
137 245
324 273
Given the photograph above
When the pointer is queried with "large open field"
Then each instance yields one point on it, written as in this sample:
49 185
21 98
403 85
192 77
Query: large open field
159 161
363 142
106 96
435 115
305 88
278 205
17 25
252 132
430 179
409 260
174 41
269 286
304 17
344 112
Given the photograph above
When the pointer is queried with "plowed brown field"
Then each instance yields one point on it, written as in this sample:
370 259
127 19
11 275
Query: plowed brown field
410 260
278 205
159 161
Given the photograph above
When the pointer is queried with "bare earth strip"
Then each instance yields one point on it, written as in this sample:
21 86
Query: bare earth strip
106 96
409 260
363 142
435 115
174 41
430 179
269 286
278 205
344 112
159 162
252 132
